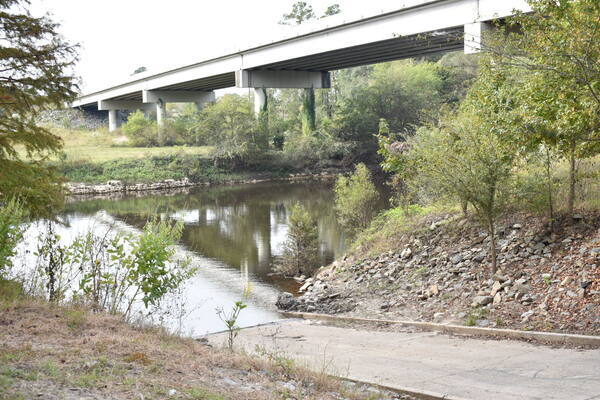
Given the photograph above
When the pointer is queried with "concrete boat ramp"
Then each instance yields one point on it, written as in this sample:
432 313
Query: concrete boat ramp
431 363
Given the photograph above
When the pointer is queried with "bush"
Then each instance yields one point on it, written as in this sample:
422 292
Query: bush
301 249
11 233
317 151
113 271
233 130
140 131
355 199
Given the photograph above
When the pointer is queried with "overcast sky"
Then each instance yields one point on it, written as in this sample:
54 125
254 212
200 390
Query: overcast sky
118 36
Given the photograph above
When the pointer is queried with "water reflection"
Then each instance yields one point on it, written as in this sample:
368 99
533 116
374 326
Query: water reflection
244 227
233 234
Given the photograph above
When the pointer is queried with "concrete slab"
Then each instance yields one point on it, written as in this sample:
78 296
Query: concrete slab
433 363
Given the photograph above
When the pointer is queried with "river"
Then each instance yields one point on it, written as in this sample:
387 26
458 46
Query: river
232 234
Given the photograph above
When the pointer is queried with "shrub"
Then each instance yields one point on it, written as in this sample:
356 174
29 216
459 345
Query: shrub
11 233
355 199
316 151
114 271
233 130
140 130
301 249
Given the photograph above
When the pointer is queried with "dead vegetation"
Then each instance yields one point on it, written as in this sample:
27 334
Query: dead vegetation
56 352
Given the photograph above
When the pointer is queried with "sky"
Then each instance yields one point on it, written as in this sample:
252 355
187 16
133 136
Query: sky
118 36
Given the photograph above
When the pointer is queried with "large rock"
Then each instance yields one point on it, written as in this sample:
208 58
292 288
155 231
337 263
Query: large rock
286 301
479 301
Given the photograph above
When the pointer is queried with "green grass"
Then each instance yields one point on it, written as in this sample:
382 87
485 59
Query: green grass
102 146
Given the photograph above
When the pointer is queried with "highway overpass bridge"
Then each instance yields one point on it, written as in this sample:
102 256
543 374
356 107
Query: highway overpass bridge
419 28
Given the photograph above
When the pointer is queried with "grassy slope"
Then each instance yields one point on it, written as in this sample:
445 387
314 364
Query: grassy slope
101 145
99 156
71 353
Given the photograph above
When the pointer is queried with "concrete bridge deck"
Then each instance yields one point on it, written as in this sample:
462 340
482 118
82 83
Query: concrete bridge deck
417 28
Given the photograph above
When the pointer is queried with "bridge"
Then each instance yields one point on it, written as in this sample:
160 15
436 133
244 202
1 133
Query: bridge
305 60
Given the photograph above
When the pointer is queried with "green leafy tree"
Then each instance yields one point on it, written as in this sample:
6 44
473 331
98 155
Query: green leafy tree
404 93
467 158
557 49
355 199
232 128
140 130
35 75
301 249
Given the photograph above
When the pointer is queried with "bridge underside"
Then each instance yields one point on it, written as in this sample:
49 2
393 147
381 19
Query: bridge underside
388 50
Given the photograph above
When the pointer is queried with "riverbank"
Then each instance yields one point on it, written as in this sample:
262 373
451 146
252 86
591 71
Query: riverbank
433 268
54 352
117 186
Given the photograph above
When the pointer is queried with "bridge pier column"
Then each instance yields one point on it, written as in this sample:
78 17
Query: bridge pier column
161 113
260 100
112 120
475 36
262 79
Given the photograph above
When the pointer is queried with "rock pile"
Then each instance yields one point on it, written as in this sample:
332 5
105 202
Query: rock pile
119 186
73 119
545 281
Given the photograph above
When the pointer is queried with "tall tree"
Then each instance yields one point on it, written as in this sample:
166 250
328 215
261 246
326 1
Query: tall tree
557 47
35 75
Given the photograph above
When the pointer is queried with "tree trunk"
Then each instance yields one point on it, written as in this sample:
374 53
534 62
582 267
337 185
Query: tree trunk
550 189
572 183
492 233
464 205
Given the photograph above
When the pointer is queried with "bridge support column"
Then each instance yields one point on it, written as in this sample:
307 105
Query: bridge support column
161 113
112 106
277 79
260 100
112 120
475 36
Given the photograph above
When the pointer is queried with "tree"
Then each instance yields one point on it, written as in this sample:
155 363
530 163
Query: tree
11 233
467 157
333 9
230 125
140 131
404 93
35 75
139 70
355 199
301 249
301 12
309 121
557 48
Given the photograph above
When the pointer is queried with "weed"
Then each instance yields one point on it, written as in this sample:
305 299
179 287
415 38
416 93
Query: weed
471 321
17 373
50 368
75 318
476 314
548 280
140 358
230 321
203 394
